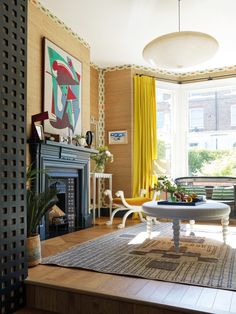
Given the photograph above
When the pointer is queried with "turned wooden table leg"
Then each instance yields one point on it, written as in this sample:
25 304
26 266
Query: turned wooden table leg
191 222
225 223
149 226
176 229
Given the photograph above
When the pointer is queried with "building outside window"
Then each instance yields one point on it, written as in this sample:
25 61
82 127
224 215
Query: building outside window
202 128
164 130
196 118
161 120
233 115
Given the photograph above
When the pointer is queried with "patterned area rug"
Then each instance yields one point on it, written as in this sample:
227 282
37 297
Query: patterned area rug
201 261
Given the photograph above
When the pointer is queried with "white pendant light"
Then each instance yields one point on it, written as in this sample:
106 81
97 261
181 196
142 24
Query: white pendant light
180 49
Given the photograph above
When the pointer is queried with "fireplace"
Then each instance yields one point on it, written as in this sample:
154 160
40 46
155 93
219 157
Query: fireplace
69 187
68 169
68 197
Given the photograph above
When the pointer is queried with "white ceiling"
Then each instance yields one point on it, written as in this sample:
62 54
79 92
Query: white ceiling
118 30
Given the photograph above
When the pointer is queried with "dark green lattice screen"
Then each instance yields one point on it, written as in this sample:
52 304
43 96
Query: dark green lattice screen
13 48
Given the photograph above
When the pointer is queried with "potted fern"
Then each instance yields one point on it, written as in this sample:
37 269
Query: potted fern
37 206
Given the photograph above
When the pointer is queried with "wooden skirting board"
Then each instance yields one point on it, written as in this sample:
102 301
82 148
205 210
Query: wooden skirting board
69 291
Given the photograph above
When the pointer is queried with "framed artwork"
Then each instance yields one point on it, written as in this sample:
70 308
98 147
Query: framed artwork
117 137
62 91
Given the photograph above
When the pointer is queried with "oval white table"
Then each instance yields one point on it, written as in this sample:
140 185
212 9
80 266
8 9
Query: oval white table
210 210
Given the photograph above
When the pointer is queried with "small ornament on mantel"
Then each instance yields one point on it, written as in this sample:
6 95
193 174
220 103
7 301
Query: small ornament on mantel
89 138
80 140
37 133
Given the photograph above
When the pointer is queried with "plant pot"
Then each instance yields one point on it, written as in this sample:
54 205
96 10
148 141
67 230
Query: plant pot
33 250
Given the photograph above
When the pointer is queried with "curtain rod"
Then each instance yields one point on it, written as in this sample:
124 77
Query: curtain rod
200 79
209 78
160 78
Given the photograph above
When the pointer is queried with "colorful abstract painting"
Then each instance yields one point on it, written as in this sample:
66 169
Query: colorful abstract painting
62 91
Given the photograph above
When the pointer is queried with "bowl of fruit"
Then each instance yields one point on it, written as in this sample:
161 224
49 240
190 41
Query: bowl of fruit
181 196
185 199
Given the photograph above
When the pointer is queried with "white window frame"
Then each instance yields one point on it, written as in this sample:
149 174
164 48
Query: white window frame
177 140
179 118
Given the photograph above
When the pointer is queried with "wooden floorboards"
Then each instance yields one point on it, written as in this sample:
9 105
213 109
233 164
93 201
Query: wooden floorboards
64 290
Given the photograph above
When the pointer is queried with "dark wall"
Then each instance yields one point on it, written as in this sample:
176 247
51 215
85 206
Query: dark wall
13 51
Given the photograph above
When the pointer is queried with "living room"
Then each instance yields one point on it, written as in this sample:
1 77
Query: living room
194 130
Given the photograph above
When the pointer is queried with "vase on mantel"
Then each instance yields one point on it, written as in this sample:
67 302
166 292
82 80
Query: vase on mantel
99 168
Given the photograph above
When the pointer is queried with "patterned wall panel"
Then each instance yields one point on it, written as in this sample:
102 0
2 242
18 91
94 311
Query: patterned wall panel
13 22
101 108
101 123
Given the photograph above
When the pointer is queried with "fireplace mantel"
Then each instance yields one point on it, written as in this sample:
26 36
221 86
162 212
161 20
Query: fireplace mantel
50 148
59 160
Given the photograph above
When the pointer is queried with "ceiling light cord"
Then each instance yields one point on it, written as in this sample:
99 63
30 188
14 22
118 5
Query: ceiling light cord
179 13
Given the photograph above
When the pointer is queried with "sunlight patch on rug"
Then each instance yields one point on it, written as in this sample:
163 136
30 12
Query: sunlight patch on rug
201 260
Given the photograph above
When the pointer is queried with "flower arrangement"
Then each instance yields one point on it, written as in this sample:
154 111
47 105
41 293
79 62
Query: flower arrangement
176 194
166 185
101 158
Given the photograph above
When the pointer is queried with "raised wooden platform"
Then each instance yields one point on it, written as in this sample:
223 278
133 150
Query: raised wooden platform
28 310
69 291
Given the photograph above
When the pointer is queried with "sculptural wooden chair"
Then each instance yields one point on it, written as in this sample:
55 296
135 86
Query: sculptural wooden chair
131 205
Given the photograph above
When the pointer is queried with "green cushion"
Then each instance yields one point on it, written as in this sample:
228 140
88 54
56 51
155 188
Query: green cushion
223 193
198 189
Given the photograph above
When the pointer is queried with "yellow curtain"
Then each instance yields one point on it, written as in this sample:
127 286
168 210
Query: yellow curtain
145 142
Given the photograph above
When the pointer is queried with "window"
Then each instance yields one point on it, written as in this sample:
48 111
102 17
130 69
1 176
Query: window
163 96
193 144
196 118
214 153
164 139
160 120
196 125
233 115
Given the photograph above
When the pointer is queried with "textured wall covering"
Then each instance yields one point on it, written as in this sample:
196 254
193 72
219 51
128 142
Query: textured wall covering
13 21
59 22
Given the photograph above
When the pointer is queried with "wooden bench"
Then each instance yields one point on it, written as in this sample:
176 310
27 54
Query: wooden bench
220 189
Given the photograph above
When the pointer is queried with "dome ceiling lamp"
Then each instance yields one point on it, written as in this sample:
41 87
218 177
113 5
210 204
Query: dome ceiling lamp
180 49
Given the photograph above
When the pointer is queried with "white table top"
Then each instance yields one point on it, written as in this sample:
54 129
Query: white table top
208 210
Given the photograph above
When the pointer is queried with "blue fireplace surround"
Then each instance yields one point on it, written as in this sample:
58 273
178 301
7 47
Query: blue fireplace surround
64 162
